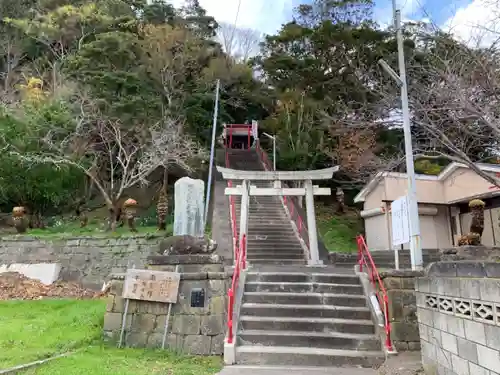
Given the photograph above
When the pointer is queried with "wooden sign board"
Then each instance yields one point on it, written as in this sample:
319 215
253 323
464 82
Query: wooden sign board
155 286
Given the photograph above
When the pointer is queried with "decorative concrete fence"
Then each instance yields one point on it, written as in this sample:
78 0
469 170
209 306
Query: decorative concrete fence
458 308
197 321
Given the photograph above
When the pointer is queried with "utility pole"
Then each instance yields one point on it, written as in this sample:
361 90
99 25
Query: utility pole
413 218
212 150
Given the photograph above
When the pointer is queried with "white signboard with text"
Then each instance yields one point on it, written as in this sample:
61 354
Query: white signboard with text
400 221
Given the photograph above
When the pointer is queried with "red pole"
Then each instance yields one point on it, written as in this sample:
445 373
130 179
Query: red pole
248 130
231 137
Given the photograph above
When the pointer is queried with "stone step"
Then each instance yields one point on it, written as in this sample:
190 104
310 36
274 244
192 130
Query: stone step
305 269
271 236
306 356
306 298
277 229
300 277
266 241
326 340
277 262
269 323
276 255
274 249
306 287
306 311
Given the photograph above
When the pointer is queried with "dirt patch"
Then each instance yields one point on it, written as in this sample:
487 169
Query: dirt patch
405 363
16 286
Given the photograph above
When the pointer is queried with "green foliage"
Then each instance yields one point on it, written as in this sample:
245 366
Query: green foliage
42 188
426 166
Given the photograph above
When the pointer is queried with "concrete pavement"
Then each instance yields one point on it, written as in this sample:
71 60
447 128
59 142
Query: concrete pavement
260 370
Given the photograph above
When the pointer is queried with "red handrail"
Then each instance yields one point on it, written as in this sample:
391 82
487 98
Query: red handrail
365 260
289 201
240 264
239 252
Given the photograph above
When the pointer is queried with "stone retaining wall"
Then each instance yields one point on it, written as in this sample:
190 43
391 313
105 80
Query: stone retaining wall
459 318
400 287
87 260
191 330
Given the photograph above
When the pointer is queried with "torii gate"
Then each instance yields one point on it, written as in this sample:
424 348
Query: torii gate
309 191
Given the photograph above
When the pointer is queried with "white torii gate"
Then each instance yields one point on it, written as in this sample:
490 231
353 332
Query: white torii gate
309 191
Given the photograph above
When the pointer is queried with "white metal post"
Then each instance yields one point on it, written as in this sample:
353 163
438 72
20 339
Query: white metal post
415 242
311 223
245 200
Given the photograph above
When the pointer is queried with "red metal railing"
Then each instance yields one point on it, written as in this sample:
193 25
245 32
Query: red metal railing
239 253
291 202
241 257
365 260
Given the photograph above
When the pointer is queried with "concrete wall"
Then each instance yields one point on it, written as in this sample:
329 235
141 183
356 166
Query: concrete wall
458 311
435 229
87 260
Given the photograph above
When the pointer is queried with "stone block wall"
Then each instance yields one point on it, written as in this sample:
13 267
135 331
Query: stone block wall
87 260
191 330
458 311
400 287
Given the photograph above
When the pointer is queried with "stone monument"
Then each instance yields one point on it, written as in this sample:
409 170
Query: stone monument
189 207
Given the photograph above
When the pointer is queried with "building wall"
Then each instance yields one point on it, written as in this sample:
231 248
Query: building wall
428 191
377 233
435 230
459 322
462 184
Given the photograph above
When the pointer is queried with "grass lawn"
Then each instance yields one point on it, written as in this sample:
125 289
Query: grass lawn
338 232
112 361
33 330
73 230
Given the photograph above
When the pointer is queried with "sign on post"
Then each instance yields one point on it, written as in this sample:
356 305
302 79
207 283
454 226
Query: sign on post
400 226
400 222
154 286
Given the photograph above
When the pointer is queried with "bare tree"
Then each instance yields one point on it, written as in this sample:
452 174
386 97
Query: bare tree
238 42
454 99
112 156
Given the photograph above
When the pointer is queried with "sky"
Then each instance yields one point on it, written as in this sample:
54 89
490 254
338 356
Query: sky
460 16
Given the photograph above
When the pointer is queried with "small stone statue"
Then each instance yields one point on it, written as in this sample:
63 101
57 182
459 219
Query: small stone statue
477 224
185 245
340 200
129 213
19 219
473 238
162 209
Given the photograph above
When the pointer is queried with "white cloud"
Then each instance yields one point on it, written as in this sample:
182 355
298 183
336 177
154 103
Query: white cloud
263 15
477 23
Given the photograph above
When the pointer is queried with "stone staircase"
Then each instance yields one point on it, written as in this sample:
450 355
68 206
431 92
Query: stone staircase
302 316
271 238
292 314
